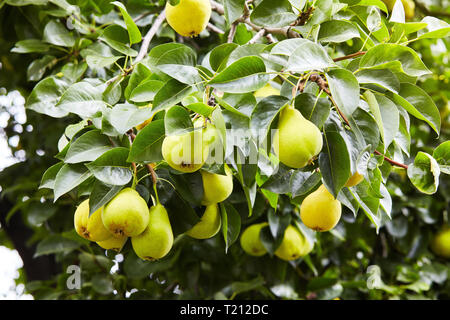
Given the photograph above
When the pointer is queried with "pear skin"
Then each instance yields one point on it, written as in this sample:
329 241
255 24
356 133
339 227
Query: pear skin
250 241
216 187
294 245
126 214
354 180
440 243
90 228
185 152
320 211
266 91
297 141
113 243
189 17
157 239
209 225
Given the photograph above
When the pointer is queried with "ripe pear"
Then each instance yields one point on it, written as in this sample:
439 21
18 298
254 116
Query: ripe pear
297 140
294 245
113 243
185 152
320 211
189 17
354 180
216 187
250 241
209 224
266 91
441 243
126 214
157 239
90 227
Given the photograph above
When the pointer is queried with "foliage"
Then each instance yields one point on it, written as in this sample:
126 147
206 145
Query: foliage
375 85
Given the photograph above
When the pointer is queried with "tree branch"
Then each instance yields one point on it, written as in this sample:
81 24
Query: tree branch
394 163
428 12
149 36
213 28
350 56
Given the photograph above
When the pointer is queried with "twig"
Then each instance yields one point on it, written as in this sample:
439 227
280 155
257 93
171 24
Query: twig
213 28
257 36
428 12
232 32
152 173
270 38
149 36
350 56
394 163
217 7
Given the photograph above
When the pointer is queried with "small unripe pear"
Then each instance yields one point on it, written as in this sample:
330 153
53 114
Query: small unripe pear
294 245
320 211
157 239
250 241
185 152
354 180
297 140
126 214
90 228
188 17
441 243
216 187
209 224
113 243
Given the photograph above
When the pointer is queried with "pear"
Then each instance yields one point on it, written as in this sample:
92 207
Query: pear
189 17
126 214
250 241
113 243
185 152
90 227
142 125
408 5
354 180
209 224
216 187
266 91
294 245
440 243
320 211
157 239
297 140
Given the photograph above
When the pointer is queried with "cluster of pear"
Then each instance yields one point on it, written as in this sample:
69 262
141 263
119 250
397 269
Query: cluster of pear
189 17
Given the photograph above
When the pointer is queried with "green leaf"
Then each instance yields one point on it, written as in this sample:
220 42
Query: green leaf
102 284
274 14
177 120
37 68
219 55
147 145
309 56
302 182
133 30
233 10
117 38
384 78
140 74
101 194
48 178
30 45
200 108
435 29
442 156
112 168
55 244
146 91
170 94
98 62
365 129
395 57
337 31
45 95
55 33
334 162
419 104
424 173
83 99
313 108
244 75
69 177
189 186
124 117
88 147
265 112
344 88
231 224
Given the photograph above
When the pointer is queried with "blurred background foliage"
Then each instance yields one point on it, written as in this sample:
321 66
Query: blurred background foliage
403 267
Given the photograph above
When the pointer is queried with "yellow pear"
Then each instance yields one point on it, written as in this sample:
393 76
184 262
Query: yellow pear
146 122
297 140
126 214
266 91
90 228
216 187
250 241
209 224
440 243
189 17
157 239
355 179
113 243
320 211
294 245
185 152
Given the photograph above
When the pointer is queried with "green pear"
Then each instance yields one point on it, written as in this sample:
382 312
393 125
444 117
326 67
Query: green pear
126 214
216 187
209 225
185 152
297 140
250 241
90 227
320 211
294 245
440 243
113 243
157 239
